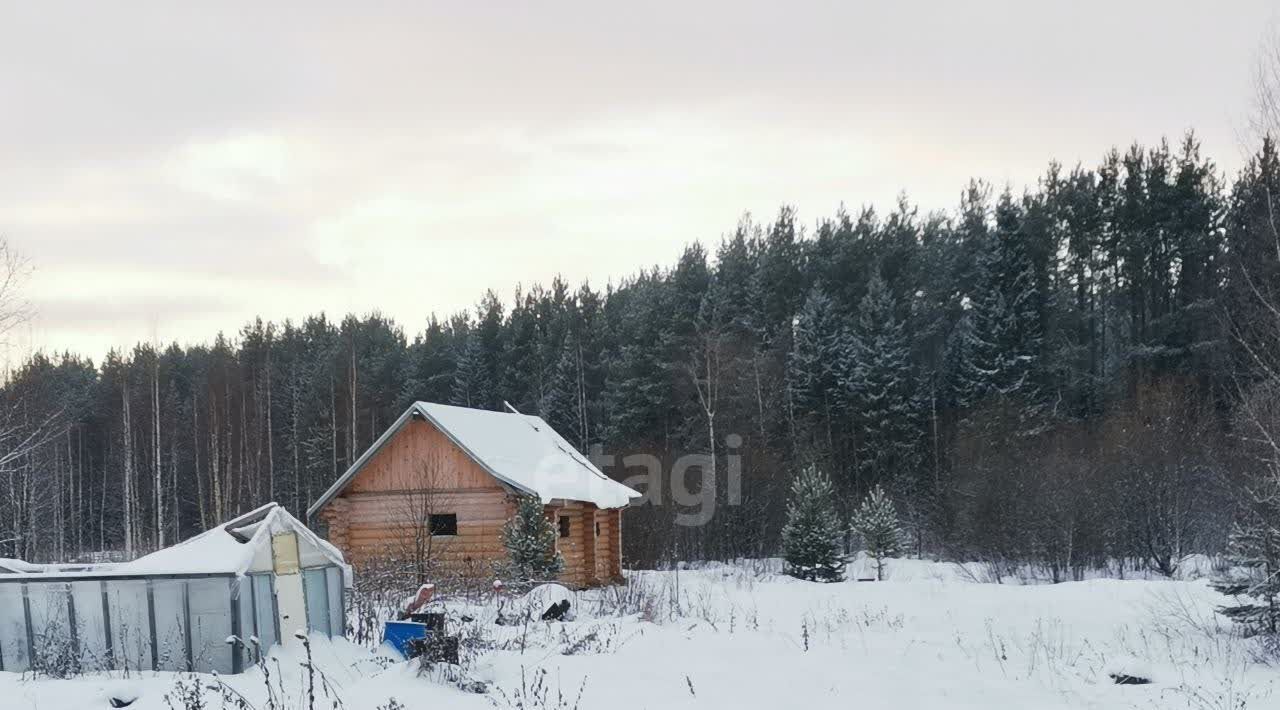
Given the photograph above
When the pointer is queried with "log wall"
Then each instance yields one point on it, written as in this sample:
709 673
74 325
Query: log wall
376 520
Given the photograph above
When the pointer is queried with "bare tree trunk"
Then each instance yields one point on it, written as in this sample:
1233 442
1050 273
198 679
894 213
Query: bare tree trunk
706 382
79 489
351 453
215 474
195 454
584 427
294 444
271 452
247 486
158 482
127 441
759 386
175 515
333 422
933 416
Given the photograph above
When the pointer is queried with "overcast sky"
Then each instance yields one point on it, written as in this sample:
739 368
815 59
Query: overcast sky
172 171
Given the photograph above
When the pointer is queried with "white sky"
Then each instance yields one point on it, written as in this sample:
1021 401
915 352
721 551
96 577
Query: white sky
172 171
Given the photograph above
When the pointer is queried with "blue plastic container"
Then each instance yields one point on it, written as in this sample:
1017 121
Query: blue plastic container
398 634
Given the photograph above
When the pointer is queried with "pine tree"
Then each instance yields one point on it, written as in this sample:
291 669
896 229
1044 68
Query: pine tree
876 522
1253 575
530 539
811 537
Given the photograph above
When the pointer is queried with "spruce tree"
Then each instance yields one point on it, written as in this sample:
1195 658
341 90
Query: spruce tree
470 383
561 403
876 522
811 536
816 366
880 383
995 348
1253 574
530 539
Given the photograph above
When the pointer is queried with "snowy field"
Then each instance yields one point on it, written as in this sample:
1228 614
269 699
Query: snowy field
930 636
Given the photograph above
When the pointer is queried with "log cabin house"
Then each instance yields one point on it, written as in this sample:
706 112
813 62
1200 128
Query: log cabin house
442 482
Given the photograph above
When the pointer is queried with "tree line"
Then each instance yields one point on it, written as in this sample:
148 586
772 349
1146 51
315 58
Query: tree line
1066 376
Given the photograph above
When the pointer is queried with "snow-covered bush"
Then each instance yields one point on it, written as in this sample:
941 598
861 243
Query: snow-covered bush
876 522
1252 575
535 603
811 538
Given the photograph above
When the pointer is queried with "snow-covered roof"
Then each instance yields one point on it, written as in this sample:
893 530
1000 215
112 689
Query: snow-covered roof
520 450
233 548
10 565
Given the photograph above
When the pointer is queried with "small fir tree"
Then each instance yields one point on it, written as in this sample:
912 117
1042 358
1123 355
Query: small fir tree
876 522
530 539
1252 576
811 537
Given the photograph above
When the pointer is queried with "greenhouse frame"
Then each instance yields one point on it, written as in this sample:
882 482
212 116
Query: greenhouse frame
216 602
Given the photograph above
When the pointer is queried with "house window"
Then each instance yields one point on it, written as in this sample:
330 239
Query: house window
564 526
443 523
597 528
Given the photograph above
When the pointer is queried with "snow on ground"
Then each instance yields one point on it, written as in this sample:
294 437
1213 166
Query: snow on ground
744 637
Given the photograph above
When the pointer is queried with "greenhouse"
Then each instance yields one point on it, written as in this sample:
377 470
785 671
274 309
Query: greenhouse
258 578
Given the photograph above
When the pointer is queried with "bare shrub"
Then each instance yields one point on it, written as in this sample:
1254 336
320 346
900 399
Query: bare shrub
535 692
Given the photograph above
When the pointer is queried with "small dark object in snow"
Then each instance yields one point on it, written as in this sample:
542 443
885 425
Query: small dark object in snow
866 579
120 702
435 648
557 611
1124 679
478 687
434 621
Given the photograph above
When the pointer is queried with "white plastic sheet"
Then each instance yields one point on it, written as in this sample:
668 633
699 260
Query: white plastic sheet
210 605
13 629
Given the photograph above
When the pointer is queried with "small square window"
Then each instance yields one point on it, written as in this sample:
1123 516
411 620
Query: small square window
564 526
443 523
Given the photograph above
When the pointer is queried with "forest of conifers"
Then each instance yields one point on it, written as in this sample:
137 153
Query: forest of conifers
1079 373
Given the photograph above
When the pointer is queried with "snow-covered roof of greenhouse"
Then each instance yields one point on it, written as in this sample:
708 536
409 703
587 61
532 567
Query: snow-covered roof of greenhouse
520 450
230 547
227 549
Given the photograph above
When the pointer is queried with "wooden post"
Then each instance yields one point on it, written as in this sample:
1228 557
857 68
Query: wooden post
588 537
615 543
